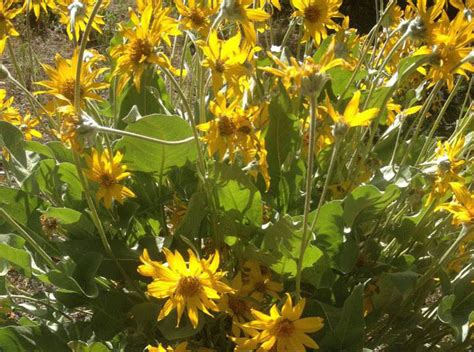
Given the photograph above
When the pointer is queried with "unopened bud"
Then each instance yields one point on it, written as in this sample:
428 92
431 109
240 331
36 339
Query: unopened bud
87 126
231 11
340 129
417 29
313 84
76 9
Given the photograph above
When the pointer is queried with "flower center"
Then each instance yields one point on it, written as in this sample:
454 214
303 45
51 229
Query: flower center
49 224
220 66
245 129
188 286
312 13
67 88
284 328
226 126
139 48
106 180
197 17
260 286
238 306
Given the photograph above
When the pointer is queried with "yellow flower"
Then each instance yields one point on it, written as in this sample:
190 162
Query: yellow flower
226 60
317 17
344 43
352 117
193 286
425 22
275 3
283 331
108 172
258 281
69 123
175 210
447 163
463 207
394 110
62 79
8 12
140 45
27 125
460 260
294 75
182 347
234 132
38 5
232 128
393 17
76 14
196 15
7 111
452 43
238 11
467 7
324 135
157 5
236 305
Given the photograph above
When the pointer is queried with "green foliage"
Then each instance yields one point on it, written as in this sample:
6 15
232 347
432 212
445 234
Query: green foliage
146 156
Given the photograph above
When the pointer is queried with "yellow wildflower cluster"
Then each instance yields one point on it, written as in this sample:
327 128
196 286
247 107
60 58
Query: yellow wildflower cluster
197 286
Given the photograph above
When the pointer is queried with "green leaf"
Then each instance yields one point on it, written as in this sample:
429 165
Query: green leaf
237 195
39 148
110 314
329 228
369 201
86 271
12 138
281 139
144 100
197 209
393 289
55 180
349 332
456 309
21 206
30 338
168 328
283 242
80 346
140 155
61 153
340 76
15 339
347 256
82 278
11 250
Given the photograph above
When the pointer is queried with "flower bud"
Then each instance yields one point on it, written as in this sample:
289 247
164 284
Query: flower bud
417 29
340 129
313 84
230 10
87 126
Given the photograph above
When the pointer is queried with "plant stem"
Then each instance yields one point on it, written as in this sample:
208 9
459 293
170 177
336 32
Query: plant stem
421 119
202 171
28 238
308 190
37 301
80 56
438 120
370 38
109 130
326 183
